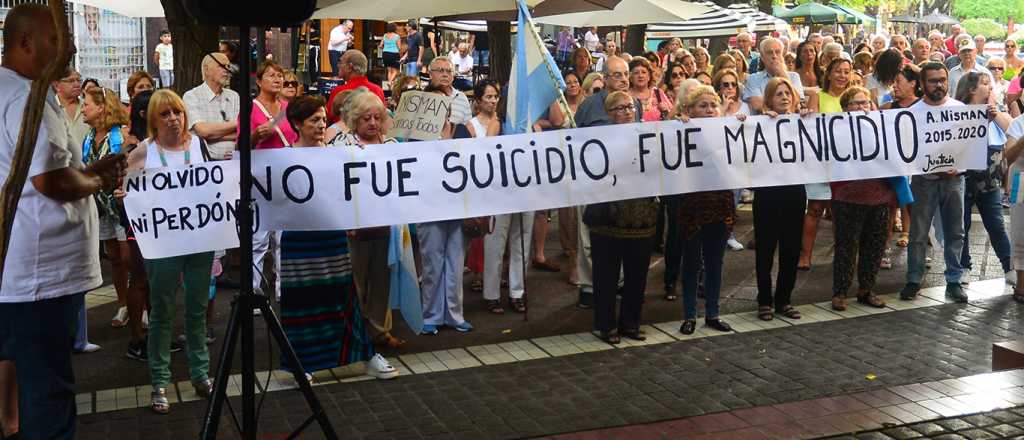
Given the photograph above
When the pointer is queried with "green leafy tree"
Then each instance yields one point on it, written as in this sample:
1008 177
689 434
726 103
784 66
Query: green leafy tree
998 10
985 26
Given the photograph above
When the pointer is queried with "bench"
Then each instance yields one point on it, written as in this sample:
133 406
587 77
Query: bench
1007 355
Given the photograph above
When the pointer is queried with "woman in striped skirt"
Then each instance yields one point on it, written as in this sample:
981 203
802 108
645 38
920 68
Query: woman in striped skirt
320 309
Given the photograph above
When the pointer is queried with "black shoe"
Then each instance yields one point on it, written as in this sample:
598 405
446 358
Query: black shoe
225 282
909 292
689 326
955 292
137 352
718 324
633 334
177 346
610 337
586 299
210 338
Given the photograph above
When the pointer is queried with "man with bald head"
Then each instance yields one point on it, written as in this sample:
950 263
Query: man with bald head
921 49
213 108
352 67
53 258
591 111
774 66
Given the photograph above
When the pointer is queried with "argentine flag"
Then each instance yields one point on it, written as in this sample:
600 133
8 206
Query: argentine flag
535 80
405 288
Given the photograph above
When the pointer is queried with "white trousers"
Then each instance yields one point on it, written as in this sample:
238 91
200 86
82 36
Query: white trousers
515 230
266 245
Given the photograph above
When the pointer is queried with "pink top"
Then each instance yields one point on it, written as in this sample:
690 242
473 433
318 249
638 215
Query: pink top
282 136
1014 86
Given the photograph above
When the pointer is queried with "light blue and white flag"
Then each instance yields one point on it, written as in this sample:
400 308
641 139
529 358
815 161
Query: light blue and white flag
535 80
405 288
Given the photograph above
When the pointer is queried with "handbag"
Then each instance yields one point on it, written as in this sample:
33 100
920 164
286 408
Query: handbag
476 226
598 214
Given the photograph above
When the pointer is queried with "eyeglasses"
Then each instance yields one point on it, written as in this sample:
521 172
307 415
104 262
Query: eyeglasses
628 108
72 79
860 103
997 68
727 85
291 83
678 75
441 70
618 75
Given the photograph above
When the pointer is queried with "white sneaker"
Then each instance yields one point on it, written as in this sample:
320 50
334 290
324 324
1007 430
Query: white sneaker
89 348
1011 277
734 244
145 319
380 368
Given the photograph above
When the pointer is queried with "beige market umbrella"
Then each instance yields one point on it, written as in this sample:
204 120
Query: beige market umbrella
630 12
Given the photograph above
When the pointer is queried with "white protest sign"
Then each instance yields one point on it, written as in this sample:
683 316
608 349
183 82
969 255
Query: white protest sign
420 115
184 210
349 187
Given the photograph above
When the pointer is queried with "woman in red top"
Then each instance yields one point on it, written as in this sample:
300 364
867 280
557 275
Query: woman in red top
656 105
861 215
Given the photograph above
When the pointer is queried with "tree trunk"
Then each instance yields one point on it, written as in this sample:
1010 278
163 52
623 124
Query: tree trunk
721 44
191 43
634 44
499 42
765 6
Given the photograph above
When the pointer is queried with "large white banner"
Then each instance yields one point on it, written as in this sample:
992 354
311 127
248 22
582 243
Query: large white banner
349 187
180 211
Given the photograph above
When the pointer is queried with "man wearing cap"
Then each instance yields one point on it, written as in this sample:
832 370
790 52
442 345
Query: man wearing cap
968 63
954 57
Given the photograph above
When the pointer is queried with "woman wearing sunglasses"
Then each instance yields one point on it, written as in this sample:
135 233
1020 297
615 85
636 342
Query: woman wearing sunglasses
291 87
1014 62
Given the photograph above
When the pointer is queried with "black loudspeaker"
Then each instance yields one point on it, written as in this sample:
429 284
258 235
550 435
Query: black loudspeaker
256 13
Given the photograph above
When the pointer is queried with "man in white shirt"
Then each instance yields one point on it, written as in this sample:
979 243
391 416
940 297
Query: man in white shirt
54 245
341 36
774 65
941 194
441 76
463 62
591 39
213 108
968 63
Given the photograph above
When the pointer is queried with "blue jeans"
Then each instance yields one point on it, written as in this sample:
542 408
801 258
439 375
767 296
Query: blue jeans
82 329
37 336
710 242
943 197
166 78
412 68
990 206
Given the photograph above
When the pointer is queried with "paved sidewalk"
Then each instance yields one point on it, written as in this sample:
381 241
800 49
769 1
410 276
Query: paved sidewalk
1000 424
638 385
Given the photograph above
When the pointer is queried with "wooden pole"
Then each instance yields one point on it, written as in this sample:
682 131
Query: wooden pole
30 122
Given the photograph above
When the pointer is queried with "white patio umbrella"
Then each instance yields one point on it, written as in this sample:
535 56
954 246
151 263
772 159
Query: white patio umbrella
385 10
630 12
717 22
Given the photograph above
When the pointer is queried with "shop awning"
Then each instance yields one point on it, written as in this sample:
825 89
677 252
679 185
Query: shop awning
762 22
816 13
718 22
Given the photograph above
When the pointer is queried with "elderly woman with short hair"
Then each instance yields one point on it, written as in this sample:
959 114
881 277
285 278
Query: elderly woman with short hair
320 306
364 116
621 238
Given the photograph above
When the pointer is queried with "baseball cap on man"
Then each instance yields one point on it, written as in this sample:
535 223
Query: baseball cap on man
967 44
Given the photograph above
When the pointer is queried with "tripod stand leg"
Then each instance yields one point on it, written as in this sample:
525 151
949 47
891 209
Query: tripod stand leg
216 402
292 360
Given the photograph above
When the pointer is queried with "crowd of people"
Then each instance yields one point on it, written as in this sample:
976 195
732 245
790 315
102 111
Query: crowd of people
332 287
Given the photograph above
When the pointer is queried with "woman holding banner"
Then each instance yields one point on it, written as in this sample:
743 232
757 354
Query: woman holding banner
621 238
834 82
904 94
984 188
705 220
861 217
320 307
365 115
778 221
171 145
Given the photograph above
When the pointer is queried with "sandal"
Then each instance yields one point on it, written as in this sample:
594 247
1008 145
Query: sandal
518 305
790 312
885 263
904 240
476 286
764 313
158 401
870 299
839 303
120 318
390 341
494 306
